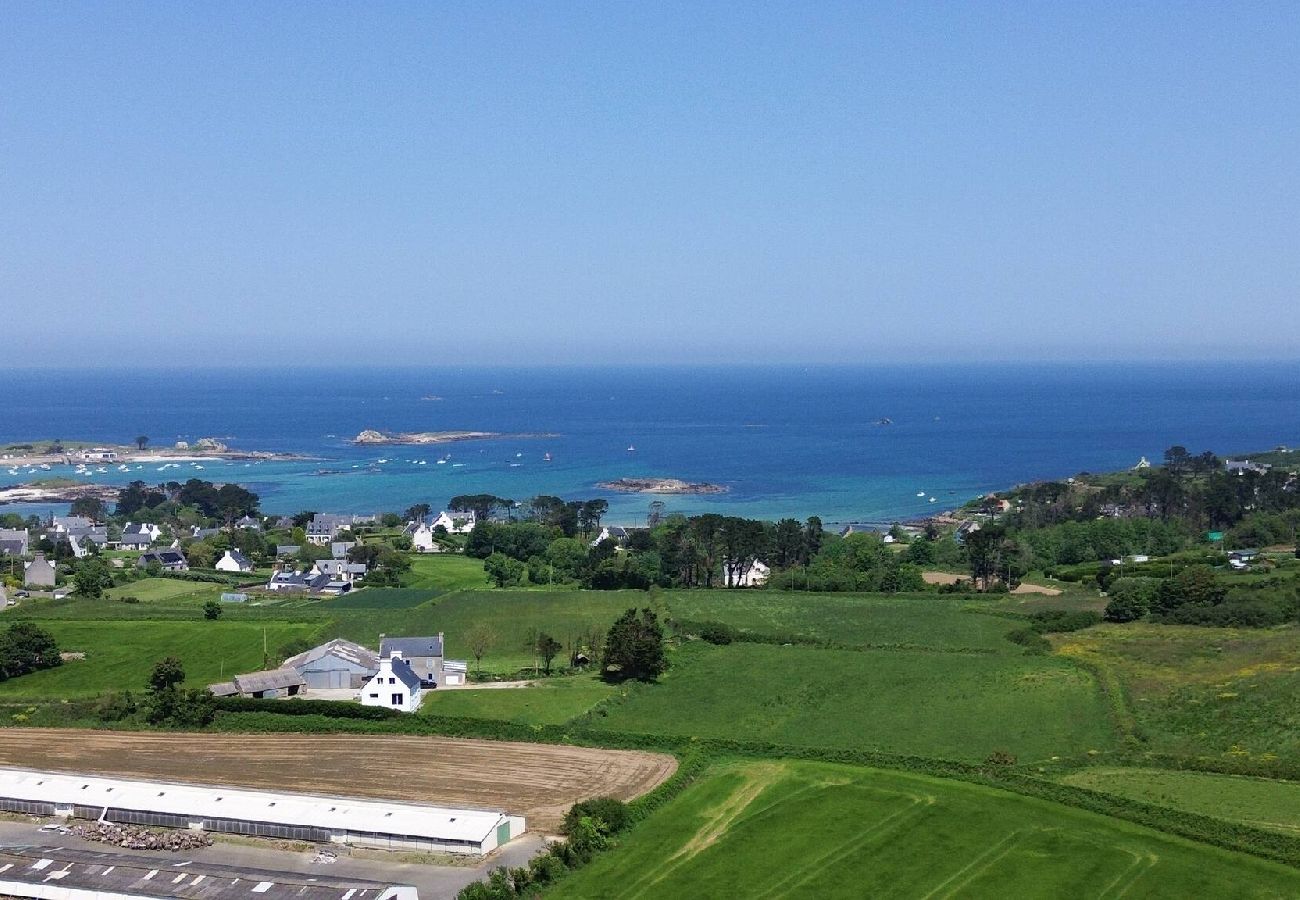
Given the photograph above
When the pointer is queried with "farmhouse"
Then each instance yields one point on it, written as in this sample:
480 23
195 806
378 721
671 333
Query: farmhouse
751 574
615 533
269 685
234 561
287 816
324 528
394 686
297 582
134 540
39 572
96 874
423 538
339 570
422 654
335 664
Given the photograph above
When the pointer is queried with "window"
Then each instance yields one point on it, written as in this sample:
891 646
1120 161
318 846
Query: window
392 681
397 700
374 696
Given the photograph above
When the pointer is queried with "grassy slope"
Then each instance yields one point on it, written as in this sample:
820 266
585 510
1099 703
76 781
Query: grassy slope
120 655
926 620
1261 802
951 705
789 829
553 702
445 572
1213 692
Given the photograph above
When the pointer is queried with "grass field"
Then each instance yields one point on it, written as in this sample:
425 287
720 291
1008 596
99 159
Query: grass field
950 705
795 829
923 620
1204 691
120 655
552 702
155 590
445 572
1261 802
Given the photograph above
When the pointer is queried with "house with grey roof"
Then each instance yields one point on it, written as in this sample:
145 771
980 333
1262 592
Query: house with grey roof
248 523
298 582
39 573
14 541
423 654
234 561
134 541
339 549
324 528
335 665
394 686
169 560
69 523
339 569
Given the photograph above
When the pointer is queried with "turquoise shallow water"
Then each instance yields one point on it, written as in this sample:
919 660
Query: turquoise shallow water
785 441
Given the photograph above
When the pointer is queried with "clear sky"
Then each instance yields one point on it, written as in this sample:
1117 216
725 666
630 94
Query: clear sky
605 182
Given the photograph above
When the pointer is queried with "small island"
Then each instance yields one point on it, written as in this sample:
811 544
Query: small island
661 486
372 437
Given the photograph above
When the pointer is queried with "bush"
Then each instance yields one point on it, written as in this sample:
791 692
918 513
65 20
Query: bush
1051 621
1001 758
1031 639
717 633
611 811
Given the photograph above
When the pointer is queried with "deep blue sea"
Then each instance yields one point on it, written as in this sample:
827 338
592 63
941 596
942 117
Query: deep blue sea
793 441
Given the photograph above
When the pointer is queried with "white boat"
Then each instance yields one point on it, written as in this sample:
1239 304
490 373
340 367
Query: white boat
631 449
920 493
382 461
442 462
101 469
197 466
45 466
933 499
457 465
423 462
546 457
515 465
124 468
517 455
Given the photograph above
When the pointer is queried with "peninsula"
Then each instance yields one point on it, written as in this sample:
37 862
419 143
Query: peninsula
661 486
370 436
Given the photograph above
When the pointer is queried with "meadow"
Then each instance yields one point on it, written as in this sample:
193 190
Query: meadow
120 655
1192 691
799 829
552 701
1261 802
960 706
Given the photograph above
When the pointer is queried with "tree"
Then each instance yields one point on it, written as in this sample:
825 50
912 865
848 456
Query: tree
91 507
656 513
1177 460
92 577
591 513
482 505
547 648
212 610
503 571
1130 599
25 648
634 648
481 637
141 441
167 674
417 512
1194 586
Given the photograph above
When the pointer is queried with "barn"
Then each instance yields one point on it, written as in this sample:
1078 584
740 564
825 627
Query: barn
383 824
336 664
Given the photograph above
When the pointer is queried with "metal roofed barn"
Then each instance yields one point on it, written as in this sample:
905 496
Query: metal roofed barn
73 874
303 817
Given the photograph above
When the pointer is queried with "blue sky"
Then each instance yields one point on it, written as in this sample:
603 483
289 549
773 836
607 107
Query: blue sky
616 182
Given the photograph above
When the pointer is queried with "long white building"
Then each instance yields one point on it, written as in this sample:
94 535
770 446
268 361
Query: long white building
304 817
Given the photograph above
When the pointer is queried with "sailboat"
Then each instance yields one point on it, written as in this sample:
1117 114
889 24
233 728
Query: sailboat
546 457
631 449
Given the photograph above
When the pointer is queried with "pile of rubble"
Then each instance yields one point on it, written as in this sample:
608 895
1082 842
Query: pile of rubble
136 837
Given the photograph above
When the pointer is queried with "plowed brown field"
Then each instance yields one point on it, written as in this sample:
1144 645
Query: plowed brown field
538 781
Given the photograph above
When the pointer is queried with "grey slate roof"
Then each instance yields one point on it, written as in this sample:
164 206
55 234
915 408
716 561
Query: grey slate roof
135 539
239 558
287 549
406 675
410 647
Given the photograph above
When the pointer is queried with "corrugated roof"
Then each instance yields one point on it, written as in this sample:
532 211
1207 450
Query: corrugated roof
333 813
345 650
270 680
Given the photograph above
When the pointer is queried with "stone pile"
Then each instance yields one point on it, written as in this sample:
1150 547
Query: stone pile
136 837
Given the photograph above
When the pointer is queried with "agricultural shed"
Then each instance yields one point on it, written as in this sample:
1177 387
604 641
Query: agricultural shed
298 817
267 685
62 873
335 664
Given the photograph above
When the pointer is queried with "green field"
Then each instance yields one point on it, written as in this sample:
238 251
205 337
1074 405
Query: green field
445 572
797 829
922 620
950 705
1192 691
170 590
1261 802
551 702
120 655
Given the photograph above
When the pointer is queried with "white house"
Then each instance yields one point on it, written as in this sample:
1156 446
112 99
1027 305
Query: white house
751 574
615 533
395 686
339 570
423 539
149 529
455 523
234 561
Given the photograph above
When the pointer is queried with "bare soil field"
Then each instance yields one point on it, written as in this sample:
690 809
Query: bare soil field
1022 588
537 781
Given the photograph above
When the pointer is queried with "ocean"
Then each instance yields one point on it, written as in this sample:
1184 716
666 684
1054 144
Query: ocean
847 443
